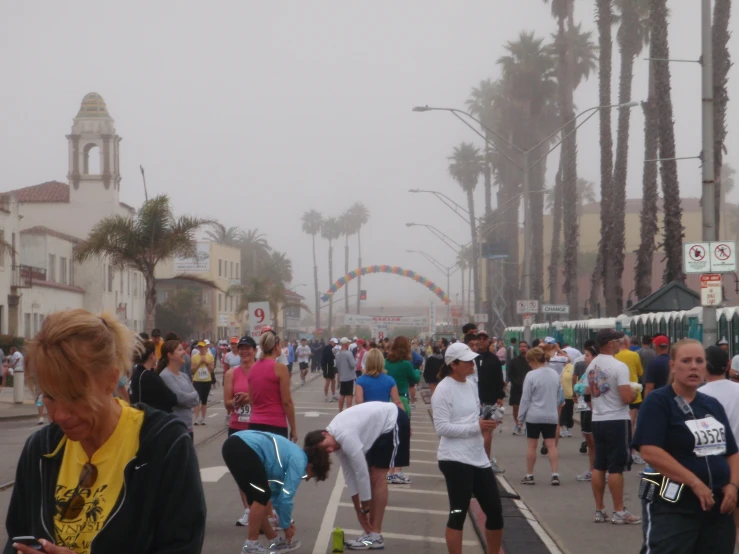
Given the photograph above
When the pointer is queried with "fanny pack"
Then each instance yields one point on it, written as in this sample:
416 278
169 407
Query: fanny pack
654 483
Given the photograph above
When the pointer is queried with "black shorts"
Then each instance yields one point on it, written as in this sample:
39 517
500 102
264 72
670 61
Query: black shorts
516 392
247 470
281 431
545 430
392 449
634 406
586 421
303 365
612 445
464 480
346 388
329 372
203 389
289 367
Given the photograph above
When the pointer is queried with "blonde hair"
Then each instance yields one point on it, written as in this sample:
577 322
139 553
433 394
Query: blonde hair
268 342
537 355
74 349
375 363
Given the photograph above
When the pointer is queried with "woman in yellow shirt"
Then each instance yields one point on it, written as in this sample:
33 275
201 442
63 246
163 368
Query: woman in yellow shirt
103 476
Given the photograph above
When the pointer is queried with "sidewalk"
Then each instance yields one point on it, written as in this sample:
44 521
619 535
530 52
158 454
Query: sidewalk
10 411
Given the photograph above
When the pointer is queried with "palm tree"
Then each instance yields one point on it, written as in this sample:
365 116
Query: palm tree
330 231
279 268
347 228
140 242
721 65
254 253
673 227
230 236
312 221
632 37
360 215
585 195
481 104
466 166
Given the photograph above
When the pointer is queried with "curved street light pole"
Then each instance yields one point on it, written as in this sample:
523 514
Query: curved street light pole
445 269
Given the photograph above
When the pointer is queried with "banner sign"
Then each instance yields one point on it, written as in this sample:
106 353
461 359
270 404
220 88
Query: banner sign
397 320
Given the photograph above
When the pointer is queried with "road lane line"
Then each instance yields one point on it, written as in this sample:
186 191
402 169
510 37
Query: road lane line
408 510
422 450
436 463
423 440
432 475
329 516
404 537
407 488
214 415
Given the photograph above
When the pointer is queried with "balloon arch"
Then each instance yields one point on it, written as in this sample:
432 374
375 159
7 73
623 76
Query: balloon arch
393 270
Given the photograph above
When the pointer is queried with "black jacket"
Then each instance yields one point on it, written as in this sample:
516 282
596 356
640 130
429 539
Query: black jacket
327 357
490 382
161 508
148 388
432 367
517 370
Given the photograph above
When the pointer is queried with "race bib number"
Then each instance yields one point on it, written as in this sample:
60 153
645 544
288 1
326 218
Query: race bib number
243 413
203 374
709 435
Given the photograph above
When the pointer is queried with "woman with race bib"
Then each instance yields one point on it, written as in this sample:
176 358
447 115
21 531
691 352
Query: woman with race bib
689 488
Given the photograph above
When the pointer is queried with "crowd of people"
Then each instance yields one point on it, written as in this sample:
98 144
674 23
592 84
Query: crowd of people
122 410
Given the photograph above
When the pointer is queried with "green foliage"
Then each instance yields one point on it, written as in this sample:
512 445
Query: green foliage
182 313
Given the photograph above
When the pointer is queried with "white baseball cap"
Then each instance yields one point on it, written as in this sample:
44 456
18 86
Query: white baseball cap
345 340
355 338
334 340
459 351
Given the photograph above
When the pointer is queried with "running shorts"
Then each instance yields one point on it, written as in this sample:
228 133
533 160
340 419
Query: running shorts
546 430
464 480
303 365
586 421
516 392
635 406
612 445
203 389
346 388
329 372
392 449
247 470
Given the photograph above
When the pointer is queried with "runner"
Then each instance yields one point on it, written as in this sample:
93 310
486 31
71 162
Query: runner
304 354
461 454
202 364
375 385
329 370
658 371
270 469
361 353
369 439
432 367
236 400
147 385
586 415
168 367
490 385
230 359
272 408
345 367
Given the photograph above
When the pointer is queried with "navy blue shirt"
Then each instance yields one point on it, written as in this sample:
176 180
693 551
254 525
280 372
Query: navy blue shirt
376 389
658 371
662 423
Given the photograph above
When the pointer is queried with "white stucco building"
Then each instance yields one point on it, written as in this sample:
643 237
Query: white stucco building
54 217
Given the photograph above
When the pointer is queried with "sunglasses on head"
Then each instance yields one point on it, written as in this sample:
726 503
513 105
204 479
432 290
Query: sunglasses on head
74 506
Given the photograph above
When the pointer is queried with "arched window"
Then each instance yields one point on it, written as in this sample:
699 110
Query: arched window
91 162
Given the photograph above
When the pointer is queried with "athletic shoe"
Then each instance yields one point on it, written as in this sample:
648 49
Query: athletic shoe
528 480
544 450
555 480
202 421
368 541
302 382
280 545
518 431
587 476
40 421
583 447
253 547
243 521
196 422
496 468
326 399
334 398
638 459
625 518
601 516
564 432
401 479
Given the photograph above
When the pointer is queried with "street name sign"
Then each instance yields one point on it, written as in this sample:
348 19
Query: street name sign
711 291
555 309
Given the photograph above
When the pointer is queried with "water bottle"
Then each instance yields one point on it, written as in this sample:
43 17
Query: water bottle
338 540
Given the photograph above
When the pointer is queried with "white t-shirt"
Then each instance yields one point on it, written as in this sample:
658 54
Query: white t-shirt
558 363
456 409
233 360
303 353
356 429
17 357
727 393
735 362
604 375
353 348
282 358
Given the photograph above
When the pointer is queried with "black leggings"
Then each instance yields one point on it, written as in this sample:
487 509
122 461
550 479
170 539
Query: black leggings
247 470
464 480
203 389
565 418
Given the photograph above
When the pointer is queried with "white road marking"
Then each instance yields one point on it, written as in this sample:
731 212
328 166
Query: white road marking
408 510
422 440
526 513
423 433
212 474
422 450
314 414
403 536
407 488
432 475
329 516
214 414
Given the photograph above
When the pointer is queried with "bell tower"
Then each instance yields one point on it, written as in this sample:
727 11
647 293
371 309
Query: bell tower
94 169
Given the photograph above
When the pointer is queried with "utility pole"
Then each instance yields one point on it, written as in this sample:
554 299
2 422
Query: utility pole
710 230
526 242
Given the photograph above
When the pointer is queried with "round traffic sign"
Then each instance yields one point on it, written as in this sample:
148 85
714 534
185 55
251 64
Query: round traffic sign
697 253
722 251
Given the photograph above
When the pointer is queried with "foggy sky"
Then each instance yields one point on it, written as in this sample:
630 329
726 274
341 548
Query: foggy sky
254 112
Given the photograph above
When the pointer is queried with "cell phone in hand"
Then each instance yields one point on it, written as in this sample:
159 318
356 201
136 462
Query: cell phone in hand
28 541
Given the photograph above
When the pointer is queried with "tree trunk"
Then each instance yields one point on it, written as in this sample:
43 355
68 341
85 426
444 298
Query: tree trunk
556 232
673 228
463 305
721 65
151 302
648 216
331 282
469 295
536 195
607 248
346 271
488 175
475 252
315 286
359 276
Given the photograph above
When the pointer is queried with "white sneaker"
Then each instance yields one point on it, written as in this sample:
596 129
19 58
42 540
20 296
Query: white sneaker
253 547
638 459
202 421
243 521
326 399
280 545
401 479
368 541
40 421
586 476
334 398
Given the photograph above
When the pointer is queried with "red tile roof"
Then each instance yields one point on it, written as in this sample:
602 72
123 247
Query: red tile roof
51 191
41 230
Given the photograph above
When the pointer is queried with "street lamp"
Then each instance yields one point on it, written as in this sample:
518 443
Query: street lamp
451 204
445 269
525 168
296 286
440 235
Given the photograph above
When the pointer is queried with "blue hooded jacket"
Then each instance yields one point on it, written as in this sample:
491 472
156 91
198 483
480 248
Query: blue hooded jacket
285 464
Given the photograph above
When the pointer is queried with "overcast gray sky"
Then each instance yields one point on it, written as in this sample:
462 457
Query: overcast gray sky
254 112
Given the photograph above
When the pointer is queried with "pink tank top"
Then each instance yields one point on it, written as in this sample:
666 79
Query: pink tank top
266 400
240 416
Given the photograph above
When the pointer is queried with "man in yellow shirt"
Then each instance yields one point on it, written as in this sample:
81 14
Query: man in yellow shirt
203 364
633 362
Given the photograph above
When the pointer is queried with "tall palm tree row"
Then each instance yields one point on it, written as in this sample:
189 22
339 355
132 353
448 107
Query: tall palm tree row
330 231
673 228
721 66
140 242
466 166
347 228
360 216
312 221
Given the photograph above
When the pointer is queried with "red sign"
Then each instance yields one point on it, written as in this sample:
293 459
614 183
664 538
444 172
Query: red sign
318 332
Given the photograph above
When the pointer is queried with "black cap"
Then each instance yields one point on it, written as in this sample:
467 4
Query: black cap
247 341
716 360
605 336
156 333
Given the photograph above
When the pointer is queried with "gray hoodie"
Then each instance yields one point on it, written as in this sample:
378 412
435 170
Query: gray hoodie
187 396
346 364
541 395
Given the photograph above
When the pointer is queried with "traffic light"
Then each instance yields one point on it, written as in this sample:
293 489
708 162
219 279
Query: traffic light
363 295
